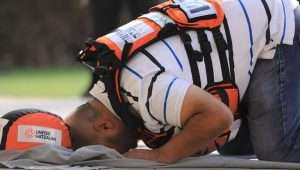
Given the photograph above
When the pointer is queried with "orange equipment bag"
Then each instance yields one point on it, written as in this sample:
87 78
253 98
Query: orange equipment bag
27 128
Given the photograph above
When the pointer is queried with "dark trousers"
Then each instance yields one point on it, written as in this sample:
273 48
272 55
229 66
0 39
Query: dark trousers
271 107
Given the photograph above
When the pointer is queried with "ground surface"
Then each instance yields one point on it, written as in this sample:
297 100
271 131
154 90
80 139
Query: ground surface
63 106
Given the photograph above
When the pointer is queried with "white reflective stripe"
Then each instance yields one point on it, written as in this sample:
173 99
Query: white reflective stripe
116 39
134 30
234 129
159 18
38 134
3 123
196 8
130 32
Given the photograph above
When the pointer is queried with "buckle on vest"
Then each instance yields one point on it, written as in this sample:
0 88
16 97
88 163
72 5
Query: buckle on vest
103 72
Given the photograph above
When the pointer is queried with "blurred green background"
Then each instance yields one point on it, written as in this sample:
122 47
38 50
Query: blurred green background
44 82
39 42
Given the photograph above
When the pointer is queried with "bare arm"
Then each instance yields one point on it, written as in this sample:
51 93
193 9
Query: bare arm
203 117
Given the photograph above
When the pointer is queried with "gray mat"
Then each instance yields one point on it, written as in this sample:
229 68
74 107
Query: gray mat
100 157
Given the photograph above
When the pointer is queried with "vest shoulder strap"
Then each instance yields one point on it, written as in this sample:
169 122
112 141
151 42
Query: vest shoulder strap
187 14
193 13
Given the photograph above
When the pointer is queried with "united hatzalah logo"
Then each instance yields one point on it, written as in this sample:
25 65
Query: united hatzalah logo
29 133
39 134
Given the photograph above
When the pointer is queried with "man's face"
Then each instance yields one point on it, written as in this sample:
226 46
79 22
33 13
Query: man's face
94 124
119 136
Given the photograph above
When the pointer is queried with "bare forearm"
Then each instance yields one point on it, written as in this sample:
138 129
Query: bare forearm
198 132
203 118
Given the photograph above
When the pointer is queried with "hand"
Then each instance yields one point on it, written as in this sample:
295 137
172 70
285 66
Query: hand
152 155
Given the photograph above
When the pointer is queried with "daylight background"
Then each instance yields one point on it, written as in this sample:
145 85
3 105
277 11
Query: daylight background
39 42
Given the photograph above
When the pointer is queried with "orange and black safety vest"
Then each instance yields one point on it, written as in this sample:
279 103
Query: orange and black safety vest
108 54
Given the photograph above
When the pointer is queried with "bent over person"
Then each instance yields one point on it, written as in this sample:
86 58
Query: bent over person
175 78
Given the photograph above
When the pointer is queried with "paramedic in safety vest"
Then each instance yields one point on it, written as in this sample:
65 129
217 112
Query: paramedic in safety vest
185 85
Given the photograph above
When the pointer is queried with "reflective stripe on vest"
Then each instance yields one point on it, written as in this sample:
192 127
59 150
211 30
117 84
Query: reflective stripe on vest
191 14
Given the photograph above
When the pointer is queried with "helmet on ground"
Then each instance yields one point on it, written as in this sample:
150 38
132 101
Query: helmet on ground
28 128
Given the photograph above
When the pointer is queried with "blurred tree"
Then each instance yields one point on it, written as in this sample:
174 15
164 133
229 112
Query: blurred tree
39 33
108 14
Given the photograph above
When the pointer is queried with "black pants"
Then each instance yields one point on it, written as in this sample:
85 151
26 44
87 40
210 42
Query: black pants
242 144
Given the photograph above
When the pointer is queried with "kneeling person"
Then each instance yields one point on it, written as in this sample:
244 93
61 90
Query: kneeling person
176 76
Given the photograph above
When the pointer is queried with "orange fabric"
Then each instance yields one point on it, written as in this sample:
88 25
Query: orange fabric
231 92
180 18
177 15
36 119
117 84
112 45
137 44
93 49
220 13
146 39
233 99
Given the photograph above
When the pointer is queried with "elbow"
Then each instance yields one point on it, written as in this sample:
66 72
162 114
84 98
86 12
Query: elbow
226 118
222 116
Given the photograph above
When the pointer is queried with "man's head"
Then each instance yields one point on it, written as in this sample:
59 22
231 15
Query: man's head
92 123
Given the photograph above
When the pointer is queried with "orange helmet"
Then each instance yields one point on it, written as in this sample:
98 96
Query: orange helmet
27 128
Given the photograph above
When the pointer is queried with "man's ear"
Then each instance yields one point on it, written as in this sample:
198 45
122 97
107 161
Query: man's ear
103 125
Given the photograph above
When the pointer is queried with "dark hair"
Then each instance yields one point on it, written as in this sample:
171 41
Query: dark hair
85 111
